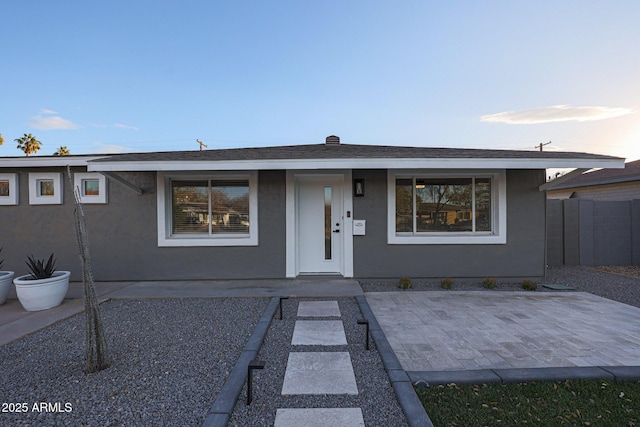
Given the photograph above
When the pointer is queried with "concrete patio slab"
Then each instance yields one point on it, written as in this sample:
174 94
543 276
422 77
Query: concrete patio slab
471 331
319 373
319 332
307 287
318 309
16 322
319 417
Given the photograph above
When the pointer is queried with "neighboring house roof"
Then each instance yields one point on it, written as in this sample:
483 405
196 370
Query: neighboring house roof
332 156
631 172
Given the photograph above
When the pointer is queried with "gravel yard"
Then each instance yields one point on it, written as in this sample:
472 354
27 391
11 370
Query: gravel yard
613 282
170 358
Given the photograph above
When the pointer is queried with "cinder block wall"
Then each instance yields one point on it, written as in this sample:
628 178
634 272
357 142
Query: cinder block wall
593 232
555 232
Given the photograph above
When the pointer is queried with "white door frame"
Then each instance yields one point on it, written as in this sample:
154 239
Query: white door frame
292 268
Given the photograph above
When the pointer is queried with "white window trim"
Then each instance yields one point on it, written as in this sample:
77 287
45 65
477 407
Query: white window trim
102 187
13 198
34 194
499 211
164 212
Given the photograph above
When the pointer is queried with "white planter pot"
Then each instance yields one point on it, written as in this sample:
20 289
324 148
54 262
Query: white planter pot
41 294
5 285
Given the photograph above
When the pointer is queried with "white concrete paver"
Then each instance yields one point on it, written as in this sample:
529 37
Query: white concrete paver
319 332
318 309
319 373
319 417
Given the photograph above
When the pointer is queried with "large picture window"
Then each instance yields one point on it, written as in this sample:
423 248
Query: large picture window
216 210
210 207
427 205
446 209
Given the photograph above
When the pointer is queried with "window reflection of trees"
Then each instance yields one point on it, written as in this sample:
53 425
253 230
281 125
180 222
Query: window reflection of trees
230 208
438 203
216 207
443 204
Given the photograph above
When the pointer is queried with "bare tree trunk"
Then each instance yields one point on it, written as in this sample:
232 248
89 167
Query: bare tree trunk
97 354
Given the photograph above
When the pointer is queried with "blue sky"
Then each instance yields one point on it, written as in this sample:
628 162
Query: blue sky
124 76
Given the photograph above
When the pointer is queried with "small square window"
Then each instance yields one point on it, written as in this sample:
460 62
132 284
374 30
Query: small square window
4 189
8 189
45 188
92 187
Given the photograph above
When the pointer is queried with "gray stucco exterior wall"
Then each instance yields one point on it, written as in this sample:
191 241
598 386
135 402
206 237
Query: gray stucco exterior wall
521 257
123 235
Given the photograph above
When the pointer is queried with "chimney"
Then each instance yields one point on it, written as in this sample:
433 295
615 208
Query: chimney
332 140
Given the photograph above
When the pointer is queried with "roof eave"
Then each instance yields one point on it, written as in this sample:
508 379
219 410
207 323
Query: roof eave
368 163
41 162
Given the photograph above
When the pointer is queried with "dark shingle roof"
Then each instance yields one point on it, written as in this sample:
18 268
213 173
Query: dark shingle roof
631 172
342 151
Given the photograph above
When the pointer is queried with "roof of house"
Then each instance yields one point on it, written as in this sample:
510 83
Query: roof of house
631 172
327 156
341 151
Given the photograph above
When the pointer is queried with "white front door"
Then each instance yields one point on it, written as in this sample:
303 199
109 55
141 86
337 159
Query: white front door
319 224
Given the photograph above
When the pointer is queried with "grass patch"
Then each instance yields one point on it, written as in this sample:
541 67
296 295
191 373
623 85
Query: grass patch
579 402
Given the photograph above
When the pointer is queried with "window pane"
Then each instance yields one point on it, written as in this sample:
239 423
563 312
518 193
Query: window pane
230 206
91 187
190 207
328 229
4 188
404 205
443 204
483 204
45 187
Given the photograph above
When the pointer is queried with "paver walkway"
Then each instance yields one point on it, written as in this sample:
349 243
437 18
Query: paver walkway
449 330
313 372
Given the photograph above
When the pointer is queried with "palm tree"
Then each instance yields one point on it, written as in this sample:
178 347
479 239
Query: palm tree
1 139
62 151
29 144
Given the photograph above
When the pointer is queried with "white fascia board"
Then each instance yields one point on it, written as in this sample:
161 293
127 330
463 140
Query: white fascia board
40 162
323 164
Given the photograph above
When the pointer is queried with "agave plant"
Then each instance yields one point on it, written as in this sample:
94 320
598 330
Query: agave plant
38 268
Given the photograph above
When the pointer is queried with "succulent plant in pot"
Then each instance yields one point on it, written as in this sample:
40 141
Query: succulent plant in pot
44 287
5 281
